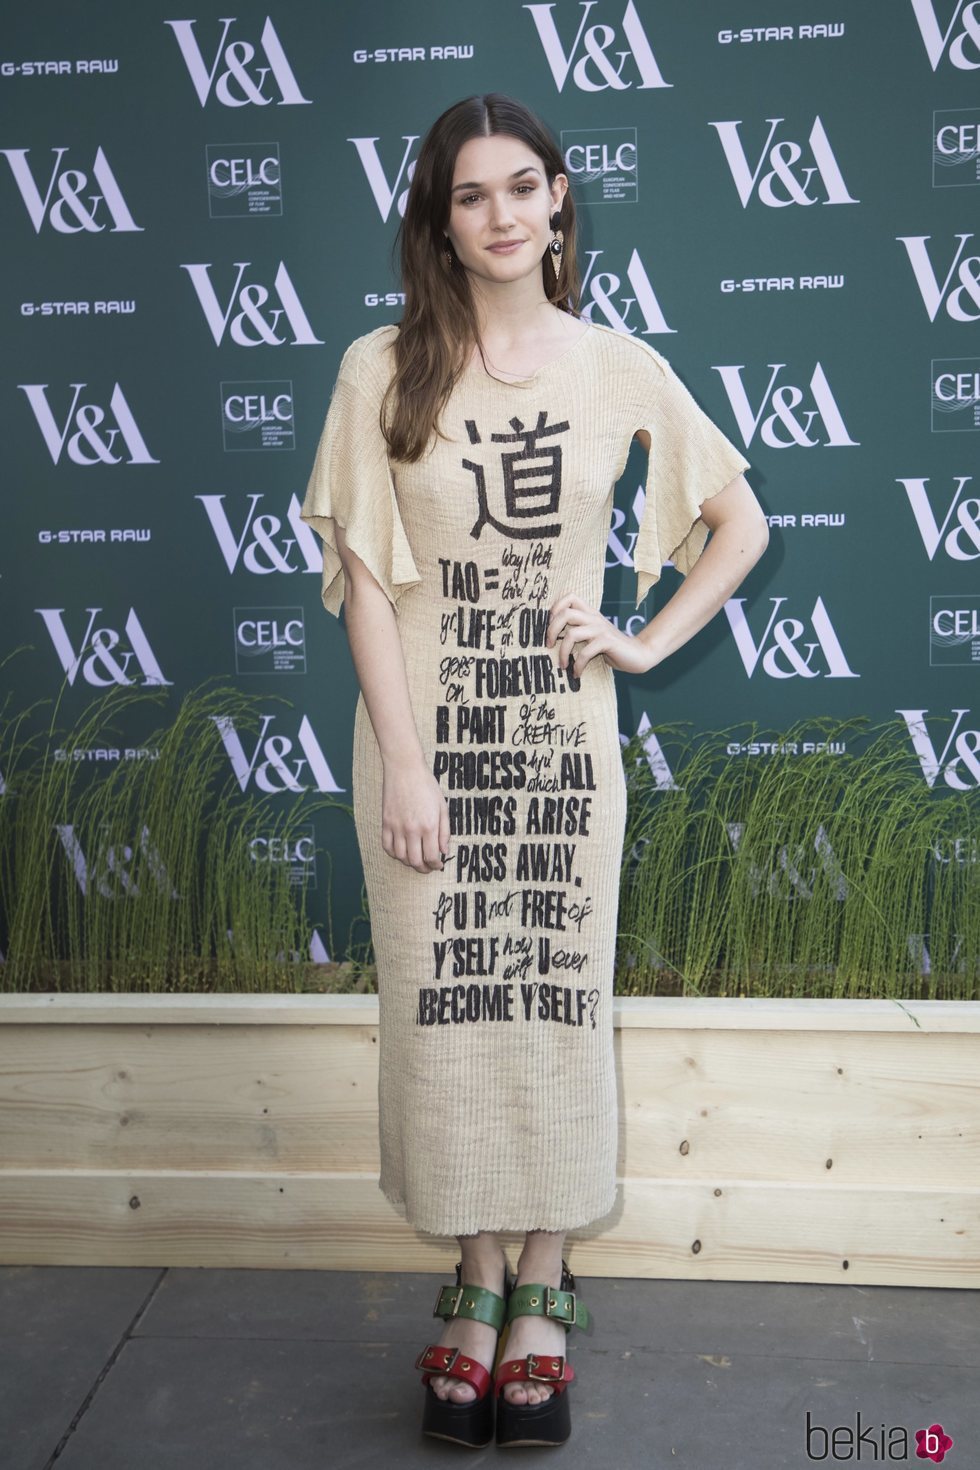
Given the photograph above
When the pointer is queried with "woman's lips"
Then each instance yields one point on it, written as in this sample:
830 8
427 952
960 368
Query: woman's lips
506 247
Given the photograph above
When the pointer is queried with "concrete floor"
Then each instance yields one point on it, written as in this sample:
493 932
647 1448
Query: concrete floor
146 1369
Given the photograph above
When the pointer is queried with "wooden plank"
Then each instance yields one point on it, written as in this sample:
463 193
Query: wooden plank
744 1231
144 1132
686 1013
191 1097
800 1107
796 1107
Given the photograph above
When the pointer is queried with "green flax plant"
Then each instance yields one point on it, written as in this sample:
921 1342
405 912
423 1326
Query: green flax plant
138 875
837 873
826 874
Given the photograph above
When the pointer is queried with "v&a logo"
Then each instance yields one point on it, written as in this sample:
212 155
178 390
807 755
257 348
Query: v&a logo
242 82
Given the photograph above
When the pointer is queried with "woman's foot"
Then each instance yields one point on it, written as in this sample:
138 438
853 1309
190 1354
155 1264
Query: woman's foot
537 1336
477 1340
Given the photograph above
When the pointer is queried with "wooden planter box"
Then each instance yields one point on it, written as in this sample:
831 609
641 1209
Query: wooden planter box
761 1140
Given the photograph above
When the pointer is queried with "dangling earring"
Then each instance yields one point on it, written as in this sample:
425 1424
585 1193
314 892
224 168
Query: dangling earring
558 243
448 254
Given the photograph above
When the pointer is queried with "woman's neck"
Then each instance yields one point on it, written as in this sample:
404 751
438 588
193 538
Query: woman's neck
513 313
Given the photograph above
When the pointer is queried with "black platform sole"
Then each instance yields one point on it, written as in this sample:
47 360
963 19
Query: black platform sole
520 1425
470 1425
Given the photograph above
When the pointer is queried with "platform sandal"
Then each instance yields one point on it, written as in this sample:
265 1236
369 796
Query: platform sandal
547 1423
466 1424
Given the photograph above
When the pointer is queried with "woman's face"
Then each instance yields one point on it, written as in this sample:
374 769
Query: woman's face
501 207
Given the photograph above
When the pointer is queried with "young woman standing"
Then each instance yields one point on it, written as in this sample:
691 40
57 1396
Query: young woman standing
463 491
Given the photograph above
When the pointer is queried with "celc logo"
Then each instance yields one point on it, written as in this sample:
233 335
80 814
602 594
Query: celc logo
297 852
956 147
270 640
959 300
110 660
963 45
385 194
95 440
614 298
242 82
597 58
954 629
960 539
245 179
788 179
277 763
957 762
258 415
261 544
818 633
601 163
74 199
256 323
955 394
787 410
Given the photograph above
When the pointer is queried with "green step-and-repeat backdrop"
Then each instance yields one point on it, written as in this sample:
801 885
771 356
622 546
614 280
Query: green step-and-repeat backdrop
199 209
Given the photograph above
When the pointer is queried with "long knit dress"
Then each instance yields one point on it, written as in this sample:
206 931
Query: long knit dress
497 1093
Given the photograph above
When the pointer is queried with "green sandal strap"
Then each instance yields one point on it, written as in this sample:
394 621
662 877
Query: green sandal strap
538 1300
474 1302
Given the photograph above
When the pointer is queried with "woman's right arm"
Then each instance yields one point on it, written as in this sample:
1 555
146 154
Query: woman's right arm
414 812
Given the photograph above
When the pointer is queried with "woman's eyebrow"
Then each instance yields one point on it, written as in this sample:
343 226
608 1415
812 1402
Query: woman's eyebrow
528 169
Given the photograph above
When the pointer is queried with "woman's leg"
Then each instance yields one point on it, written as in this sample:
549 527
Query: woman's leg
484 1264
540 1260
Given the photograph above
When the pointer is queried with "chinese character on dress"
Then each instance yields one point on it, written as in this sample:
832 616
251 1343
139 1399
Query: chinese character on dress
531 479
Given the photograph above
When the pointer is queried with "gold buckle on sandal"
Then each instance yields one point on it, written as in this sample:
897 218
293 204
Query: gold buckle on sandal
457 1292
557 1364
443 1367
552 1302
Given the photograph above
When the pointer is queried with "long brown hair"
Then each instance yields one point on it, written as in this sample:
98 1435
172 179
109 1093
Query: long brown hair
439 328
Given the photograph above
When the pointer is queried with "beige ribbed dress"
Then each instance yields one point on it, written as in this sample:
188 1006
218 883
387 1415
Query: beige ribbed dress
497 1091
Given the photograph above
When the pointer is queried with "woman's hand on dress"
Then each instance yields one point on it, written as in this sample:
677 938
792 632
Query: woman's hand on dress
573 622
414 816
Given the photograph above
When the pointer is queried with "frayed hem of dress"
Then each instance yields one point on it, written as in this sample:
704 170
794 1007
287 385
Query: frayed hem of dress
503 1224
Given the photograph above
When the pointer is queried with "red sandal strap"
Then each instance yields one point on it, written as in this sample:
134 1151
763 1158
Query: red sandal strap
436 1361
544 1369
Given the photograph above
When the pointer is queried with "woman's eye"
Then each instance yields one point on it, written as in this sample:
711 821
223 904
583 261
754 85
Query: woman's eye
467 199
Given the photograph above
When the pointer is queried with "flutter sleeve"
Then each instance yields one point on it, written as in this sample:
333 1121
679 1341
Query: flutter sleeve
690 461
351 486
